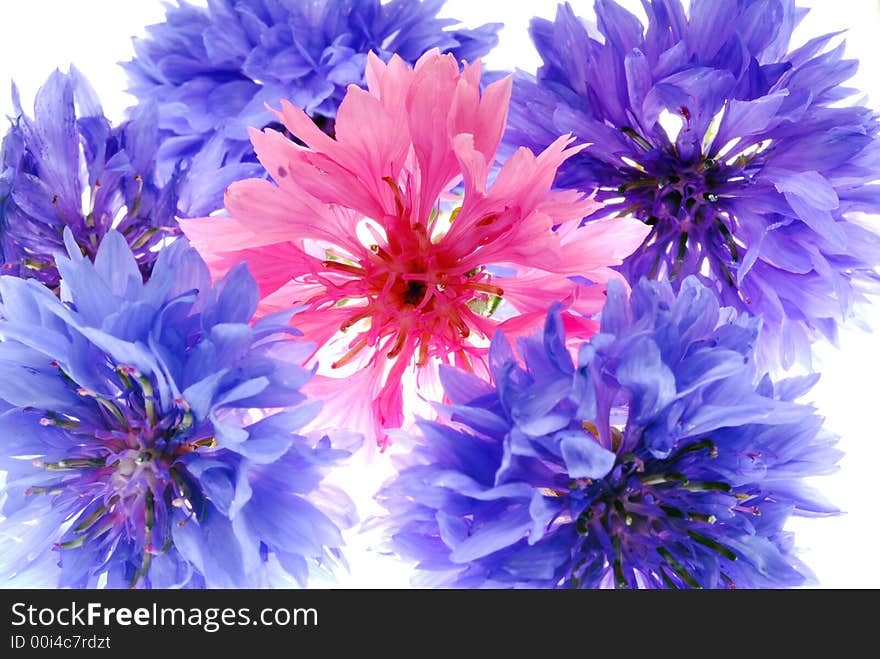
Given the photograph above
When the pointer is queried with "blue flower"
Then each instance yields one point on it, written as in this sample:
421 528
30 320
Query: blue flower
69 167
149 431
659 459
212 71
745 157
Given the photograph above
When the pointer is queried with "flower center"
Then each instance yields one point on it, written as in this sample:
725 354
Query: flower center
684 203
127 466
409 296
414 293
639 508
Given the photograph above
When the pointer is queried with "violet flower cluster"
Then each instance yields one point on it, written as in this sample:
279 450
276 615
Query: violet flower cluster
150 431
748 159
212 71
69 167
659 458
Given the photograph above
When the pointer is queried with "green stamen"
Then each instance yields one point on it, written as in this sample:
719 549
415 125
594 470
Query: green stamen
712 544
678 568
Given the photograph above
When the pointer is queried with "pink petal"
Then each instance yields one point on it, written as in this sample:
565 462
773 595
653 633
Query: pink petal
389 83
348 403
319 325
511 203
535 290
301 125
491 118
577 328
375 142
428 105
601 243
275 152
283 214
273 267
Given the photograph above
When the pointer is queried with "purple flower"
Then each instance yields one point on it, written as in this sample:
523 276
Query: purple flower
69 167
745 157
149 431
659 459
212 71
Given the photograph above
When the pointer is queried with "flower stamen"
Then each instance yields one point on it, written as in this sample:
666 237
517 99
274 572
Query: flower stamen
358 345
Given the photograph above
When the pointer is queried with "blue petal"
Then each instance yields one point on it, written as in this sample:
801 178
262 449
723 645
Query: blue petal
746 118
271 437
493 536
295 565
543 510
28 380
218 485
200 395
705 366
116 266
453 530
584 457
622 29
479 419
642 371
178 269
236 300
500 354
232 342
712 417
228 435
812 197
539 563
713 23
215 550
462 387
554 340
616 313
169 570
244 390
291 524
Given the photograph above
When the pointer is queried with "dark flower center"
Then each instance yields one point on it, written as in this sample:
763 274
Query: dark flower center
684 201
414 293
647 506
686 197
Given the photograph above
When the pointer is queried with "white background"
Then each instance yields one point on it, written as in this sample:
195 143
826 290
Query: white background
38 35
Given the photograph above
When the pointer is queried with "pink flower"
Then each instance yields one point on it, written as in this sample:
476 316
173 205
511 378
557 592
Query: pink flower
352 229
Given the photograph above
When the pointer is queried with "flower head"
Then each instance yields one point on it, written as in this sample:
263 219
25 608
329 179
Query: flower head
69 167
353 231
212 70
742 155
149 431
659 459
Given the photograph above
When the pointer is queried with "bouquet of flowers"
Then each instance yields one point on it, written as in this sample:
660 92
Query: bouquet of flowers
573 310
